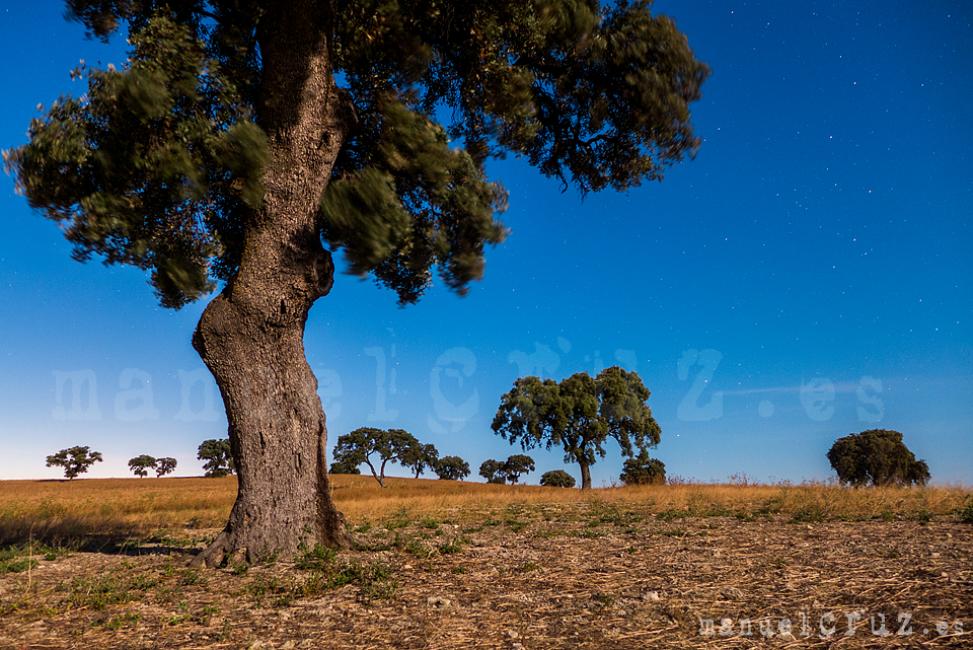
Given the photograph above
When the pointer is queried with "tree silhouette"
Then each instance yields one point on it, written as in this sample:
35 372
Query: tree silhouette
642 470
218 457
876 457
165 465
557 478
496 471
451 468
74 460
516 466
368 445
140 465
242 143
492 471
419 457
579 415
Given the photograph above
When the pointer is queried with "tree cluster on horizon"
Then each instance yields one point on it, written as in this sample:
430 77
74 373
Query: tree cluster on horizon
378 447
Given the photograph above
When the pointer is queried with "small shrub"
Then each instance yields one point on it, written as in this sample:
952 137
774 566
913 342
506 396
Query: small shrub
966 513
809 514
319 558
557 478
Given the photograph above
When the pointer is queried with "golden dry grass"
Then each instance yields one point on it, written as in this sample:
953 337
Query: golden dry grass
101 509
457 565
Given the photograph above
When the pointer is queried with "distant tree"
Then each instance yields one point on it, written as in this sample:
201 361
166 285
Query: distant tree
876 457
492 470
218 457
164 465
579 415
418 457
345 467
451 468
500 472
557 478
368 445
642 470
516 466
140 465
74 460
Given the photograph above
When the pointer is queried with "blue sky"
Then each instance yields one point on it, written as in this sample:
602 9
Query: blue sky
808 275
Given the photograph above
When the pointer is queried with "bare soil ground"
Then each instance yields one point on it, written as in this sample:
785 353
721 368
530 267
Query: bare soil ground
582 574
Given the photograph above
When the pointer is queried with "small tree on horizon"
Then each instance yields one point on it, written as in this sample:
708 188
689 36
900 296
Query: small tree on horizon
510 470
516 466
557 478
165 465
579 415
642 470
419 457
876 457
387 445
451 468
218 457
74 460
345 467
140 465
492 471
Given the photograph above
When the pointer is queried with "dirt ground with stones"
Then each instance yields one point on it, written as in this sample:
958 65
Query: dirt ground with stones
527 578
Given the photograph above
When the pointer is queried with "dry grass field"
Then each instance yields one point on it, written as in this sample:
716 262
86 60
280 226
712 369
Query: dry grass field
105 563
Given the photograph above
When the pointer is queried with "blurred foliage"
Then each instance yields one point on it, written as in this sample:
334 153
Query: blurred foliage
158 163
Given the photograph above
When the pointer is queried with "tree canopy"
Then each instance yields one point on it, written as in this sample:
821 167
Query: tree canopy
642 470
451 468
579 414
140 465
502 471
557 478
217 456
419 457
492 471
876 457
74 460
369 445
165 465
157 163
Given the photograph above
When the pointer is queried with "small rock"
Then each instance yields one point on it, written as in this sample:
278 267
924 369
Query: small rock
943 575
512 634
406 567
934 555
653 596
438 602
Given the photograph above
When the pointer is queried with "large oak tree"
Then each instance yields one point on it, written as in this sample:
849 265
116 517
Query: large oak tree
579 415
243 142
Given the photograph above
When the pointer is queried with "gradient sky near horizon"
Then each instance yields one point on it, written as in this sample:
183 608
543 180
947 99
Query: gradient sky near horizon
808 275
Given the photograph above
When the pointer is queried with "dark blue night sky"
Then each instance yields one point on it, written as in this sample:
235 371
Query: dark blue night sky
808 275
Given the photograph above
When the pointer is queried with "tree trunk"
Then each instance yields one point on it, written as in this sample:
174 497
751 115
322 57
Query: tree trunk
251 336
585 476
374 473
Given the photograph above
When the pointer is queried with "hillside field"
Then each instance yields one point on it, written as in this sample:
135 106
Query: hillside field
105 564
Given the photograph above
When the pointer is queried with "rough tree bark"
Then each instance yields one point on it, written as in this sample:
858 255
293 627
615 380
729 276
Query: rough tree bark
251 336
